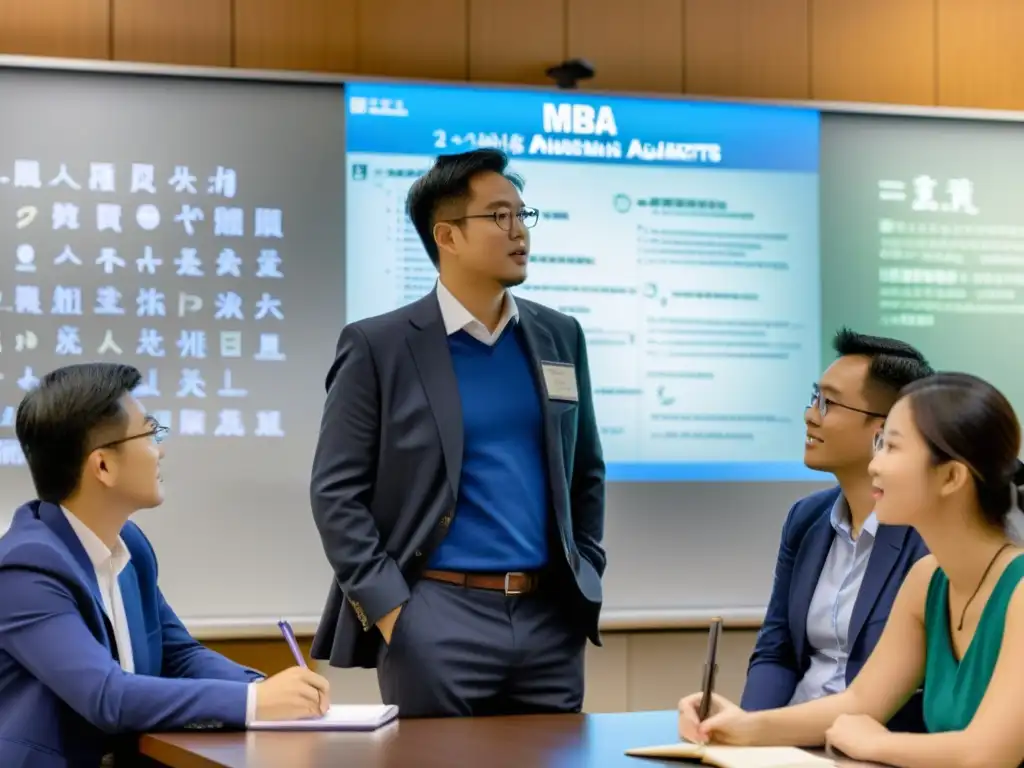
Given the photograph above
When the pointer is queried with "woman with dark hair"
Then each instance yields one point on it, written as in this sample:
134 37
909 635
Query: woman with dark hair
946 464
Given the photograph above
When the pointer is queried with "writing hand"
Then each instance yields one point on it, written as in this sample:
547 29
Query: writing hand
726 723
295 694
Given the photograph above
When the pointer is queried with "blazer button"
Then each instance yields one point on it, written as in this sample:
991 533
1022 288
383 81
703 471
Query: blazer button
417 553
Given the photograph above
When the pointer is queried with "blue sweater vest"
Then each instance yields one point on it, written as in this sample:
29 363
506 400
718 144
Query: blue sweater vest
501 513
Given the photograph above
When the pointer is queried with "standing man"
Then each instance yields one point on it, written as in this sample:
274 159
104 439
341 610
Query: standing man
458 482
838 568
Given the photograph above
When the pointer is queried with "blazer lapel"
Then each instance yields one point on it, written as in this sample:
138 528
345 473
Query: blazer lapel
128 581
53 517
884 556
540 346
428 344
810 559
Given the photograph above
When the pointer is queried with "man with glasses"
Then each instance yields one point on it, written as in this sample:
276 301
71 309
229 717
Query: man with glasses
91 654
838 569
458 483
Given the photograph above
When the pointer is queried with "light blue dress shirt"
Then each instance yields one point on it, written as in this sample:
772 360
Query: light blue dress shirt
828 617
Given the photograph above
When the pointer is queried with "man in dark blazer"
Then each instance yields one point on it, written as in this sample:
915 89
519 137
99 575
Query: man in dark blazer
838 569
458 482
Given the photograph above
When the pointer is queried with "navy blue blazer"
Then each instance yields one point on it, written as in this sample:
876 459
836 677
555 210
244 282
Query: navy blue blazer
64 699
782 653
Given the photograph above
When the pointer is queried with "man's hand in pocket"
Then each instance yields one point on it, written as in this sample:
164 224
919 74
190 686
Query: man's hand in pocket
386 624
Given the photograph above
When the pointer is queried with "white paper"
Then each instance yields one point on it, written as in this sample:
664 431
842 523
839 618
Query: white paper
340 717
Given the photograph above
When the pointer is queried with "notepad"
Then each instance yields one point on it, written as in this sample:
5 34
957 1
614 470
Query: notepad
734 757
340 717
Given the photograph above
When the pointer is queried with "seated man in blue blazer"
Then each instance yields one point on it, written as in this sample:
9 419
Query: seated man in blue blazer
838 569
90 652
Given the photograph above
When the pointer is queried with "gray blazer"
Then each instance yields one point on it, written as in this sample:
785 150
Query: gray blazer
388 462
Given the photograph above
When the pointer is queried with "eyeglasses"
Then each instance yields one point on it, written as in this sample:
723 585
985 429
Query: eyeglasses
879 442
154 430
823 403
503 217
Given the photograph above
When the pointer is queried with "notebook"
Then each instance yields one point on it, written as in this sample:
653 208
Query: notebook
340 717
735 757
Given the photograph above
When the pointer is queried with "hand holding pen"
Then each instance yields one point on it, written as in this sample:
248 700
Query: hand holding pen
706 716
296 693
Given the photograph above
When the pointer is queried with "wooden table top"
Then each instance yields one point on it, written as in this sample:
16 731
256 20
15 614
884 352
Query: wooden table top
532 741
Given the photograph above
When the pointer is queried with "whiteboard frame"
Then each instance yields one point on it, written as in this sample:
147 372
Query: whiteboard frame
649 620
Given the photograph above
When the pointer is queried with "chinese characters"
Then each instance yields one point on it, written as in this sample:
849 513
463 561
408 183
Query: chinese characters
168 269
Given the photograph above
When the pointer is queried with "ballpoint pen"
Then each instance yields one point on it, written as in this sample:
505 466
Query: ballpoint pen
289 637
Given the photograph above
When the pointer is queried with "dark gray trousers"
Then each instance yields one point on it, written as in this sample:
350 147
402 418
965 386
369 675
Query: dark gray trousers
458 651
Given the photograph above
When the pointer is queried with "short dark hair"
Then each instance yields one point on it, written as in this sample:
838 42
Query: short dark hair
894 363
966 419
447 182
59 419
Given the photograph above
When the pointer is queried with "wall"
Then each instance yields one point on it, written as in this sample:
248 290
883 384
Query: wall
946 52
631 671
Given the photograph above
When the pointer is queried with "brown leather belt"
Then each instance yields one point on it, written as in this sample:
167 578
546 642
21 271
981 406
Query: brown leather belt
515 583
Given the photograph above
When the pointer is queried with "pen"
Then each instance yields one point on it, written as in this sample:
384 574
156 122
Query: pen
289 637
710 669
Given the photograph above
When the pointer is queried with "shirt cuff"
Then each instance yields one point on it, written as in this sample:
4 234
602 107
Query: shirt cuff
250 704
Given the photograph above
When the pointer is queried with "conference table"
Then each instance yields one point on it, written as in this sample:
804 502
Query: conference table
528 741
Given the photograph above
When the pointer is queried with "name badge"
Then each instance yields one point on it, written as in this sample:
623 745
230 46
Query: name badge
560 381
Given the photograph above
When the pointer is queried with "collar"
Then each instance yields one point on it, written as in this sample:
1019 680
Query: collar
456 317
840 519
1015 526
99 554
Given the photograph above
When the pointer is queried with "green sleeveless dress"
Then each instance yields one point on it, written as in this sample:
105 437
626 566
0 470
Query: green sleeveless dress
953 689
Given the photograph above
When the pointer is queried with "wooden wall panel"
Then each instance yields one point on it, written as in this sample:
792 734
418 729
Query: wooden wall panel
311 35
268 656
417 38
499 54
634 46
77 29
873 50
754 49
950 52
196 32
980 53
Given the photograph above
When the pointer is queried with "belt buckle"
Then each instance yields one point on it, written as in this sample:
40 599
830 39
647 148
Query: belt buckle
509 592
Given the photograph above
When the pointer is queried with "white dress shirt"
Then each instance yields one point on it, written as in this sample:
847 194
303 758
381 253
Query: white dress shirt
831 608
457 318
108 565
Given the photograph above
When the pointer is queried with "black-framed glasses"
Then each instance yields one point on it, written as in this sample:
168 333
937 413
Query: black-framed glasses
823 403
154 430
528 217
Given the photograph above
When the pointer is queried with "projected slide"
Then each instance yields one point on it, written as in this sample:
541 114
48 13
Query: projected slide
923 237
683 237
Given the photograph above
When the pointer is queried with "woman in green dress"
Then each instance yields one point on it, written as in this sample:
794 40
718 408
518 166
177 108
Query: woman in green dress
946 463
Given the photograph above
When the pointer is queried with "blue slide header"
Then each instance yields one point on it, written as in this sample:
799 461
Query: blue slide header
570 126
